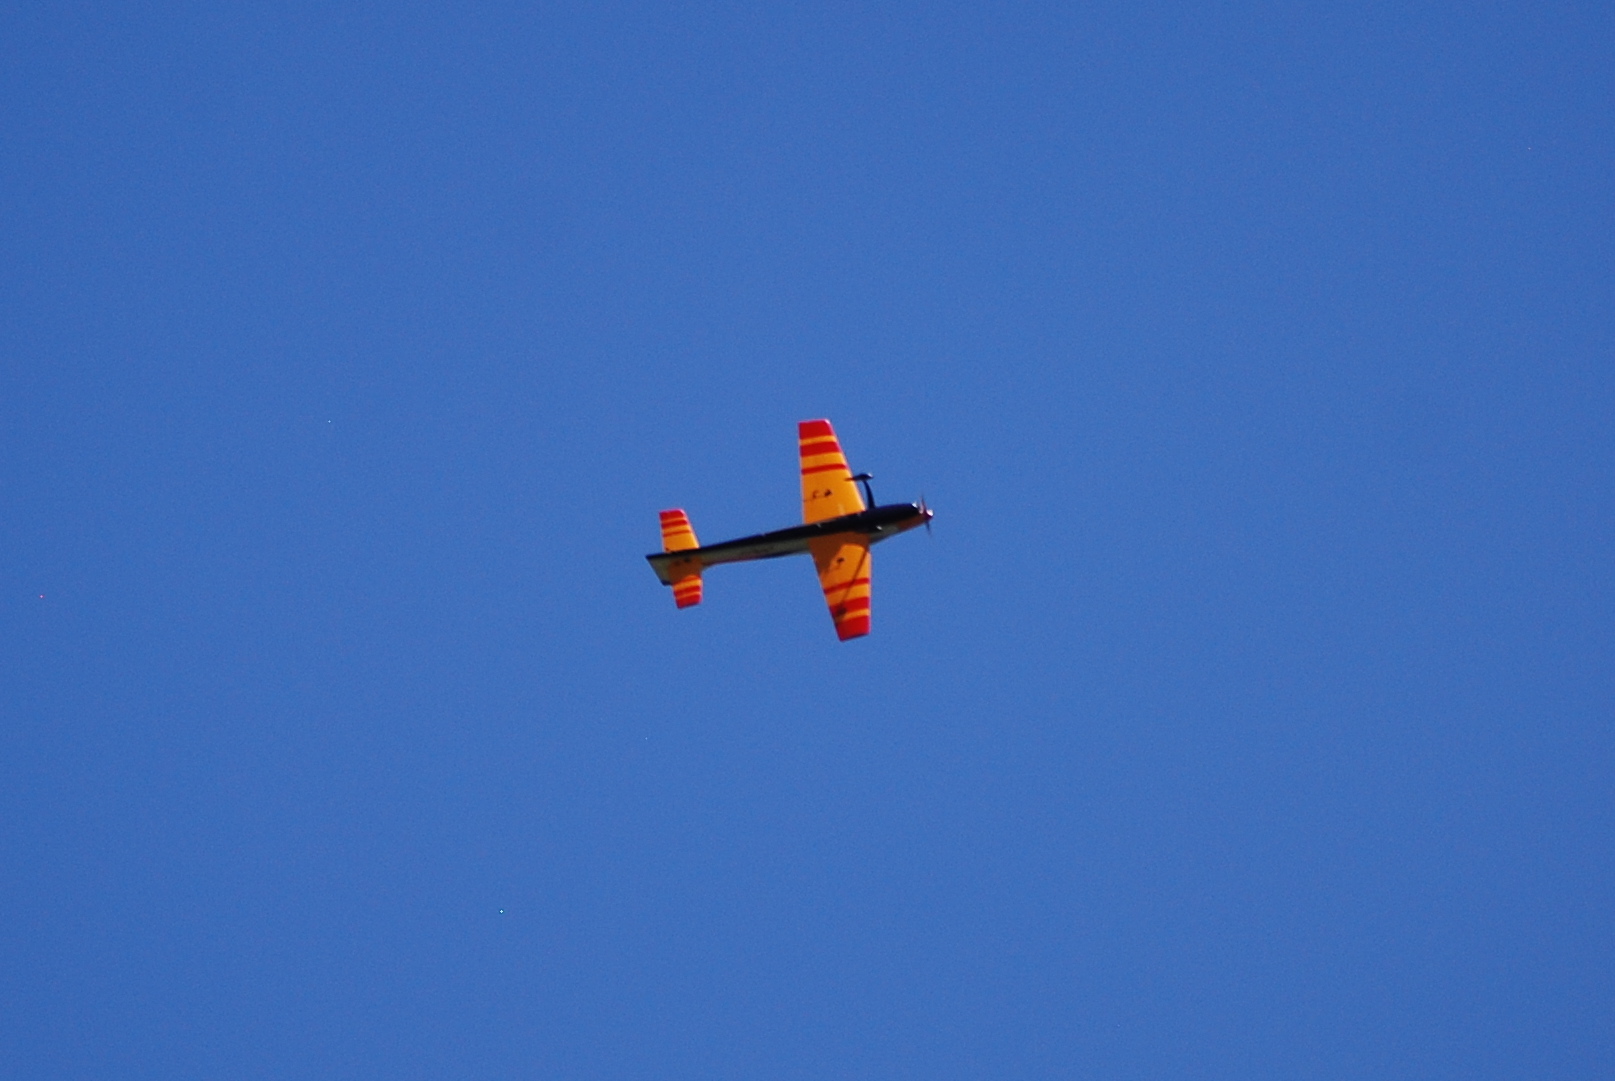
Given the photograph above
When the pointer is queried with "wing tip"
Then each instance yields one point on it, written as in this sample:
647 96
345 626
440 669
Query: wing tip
852 627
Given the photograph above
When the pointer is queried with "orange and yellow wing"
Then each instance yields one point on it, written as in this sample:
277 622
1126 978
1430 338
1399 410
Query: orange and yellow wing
828 490
844 573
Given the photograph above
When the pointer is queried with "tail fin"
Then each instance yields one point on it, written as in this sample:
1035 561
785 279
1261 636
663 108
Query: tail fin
679 536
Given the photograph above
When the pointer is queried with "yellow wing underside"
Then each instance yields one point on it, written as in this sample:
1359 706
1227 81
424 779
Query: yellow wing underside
844 569
828 490
842 560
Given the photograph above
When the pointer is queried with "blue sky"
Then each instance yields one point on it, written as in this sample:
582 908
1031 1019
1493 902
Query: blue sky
1248 714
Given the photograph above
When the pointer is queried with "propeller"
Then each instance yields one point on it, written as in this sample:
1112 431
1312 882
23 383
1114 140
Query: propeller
926 511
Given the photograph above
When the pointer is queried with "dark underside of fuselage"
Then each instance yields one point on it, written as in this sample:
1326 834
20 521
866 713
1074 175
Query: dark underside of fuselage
877 524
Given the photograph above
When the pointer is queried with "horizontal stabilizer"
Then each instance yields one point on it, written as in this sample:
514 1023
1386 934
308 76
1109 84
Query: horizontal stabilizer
687 591
683 574
677 532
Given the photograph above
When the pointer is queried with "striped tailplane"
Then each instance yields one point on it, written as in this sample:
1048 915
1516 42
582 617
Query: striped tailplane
677 536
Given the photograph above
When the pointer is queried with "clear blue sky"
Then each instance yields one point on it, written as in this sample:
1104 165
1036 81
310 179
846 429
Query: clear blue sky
1249 714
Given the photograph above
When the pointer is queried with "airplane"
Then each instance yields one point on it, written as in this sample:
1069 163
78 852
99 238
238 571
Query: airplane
839 526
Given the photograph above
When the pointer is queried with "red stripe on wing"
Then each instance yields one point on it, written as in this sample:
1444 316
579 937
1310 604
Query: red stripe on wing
847 584
852 627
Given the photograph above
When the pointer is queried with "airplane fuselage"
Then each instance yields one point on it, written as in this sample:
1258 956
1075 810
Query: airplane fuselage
877 524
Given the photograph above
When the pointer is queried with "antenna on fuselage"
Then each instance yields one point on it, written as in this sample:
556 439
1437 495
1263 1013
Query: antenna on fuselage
869 493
